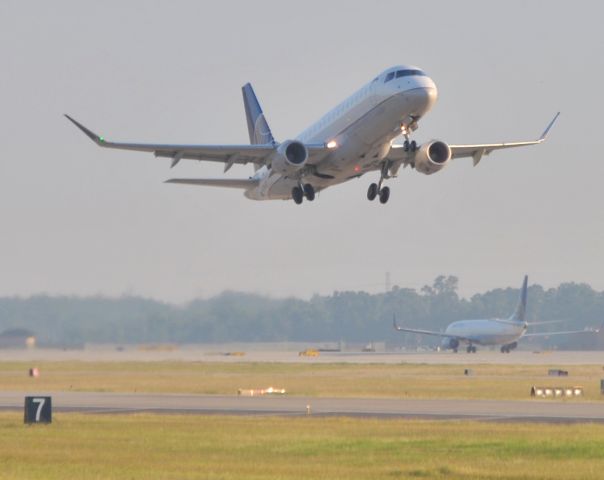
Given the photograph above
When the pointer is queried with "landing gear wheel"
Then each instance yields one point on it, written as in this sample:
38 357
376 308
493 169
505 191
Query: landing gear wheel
384 194
471 349
297 195
504 349
309 192
372 192
413 146
406 146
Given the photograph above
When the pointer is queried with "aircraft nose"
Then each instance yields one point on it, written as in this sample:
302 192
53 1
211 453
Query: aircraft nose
424 97
432 94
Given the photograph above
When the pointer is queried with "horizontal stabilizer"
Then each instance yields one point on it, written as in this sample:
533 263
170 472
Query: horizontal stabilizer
216 182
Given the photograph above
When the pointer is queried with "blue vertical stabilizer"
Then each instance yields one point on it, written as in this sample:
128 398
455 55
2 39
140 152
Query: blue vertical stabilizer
521 308
260 132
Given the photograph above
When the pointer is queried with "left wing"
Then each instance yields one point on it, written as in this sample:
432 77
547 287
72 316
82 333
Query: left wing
227 154
477 151
425 332
400 155
216 182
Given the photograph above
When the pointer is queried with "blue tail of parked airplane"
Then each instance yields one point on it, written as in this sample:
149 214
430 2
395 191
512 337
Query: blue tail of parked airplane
521 308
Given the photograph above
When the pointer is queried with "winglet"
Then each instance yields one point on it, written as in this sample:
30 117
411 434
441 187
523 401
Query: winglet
551 124
394 324
90 134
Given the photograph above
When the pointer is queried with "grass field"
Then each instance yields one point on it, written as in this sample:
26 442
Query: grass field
216 447
339 380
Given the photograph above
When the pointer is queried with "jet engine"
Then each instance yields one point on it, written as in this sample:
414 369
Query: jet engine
432 157
450 343
290 156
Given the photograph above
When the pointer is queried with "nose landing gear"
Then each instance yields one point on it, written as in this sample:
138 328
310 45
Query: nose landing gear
471 349
410 146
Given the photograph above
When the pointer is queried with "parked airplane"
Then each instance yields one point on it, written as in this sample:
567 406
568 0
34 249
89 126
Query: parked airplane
354 138
496 331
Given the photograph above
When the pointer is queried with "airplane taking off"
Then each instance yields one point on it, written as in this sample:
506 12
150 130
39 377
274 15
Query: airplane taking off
354 138
496 331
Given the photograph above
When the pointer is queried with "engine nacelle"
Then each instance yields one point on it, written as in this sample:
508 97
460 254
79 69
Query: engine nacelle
432 157
290 156
450 343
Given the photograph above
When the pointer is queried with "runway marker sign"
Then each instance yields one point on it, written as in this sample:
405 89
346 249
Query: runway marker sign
38 410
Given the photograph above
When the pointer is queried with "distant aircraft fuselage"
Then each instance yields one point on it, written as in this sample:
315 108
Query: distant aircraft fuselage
504 332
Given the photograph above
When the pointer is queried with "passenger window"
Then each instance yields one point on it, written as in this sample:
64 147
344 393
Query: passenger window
389 77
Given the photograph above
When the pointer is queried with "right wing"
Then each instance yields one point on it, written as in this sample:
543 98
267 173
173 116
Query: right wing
227 154
424 332
589 330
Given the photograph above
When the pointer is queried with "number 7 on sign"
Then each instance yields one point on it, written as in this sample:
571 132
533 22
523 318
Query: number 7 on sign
40 402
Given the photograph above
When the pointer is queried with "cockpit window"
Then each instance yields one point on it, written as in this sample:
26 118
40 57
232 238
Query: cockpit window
389 77
408 73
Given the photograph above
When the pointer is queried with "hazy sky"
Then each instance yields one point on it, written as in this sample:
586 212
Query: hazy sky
77 219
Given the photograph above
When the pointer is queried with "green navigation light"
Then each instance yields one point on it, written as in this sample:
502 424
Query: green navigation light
102 139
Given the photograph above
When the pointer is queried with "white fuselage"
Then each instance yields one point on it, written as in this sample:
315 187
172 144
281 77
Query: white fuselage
488 332
363 127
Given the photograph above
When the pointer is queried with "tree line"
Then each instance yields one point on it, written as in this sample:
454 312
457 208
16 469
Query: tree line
349 316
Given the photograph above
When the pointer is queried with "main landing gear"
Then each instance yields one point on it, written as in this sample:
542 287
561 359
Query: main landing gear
301 191
376 189
471 349
508 348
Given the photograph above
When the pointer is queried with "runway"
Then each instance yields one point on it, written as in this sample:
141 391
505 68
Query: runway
491 410
275 353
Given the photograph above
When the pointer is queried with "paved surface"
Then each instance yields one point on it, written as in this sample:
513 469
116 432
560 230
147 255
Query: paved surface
493 410
271 353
